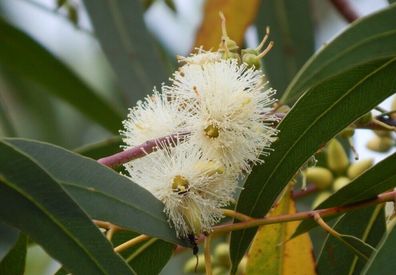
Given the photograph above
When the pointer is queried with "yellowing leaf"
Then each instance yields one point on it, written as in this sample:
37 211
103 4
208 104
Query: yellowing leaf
271 253
239 15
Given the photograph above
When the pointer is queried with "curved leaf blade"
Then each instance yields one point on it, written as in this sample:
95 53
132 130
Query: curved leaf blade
374 181
22 55
14 262
382 262
8 237
101 192
272 252
334 257
308 125
35 203
367 39
121 31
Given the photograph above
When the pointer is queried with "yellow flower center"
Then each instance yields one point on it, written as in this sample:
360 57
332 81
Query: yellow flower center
180 184
211 131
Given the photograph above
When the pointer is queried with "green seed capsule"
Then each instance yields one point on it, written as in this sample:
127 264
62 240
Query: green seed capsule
337 159
189 266
222 254
251 60
320 176
359 167
364 119
321 197
340 182
347 132
380 144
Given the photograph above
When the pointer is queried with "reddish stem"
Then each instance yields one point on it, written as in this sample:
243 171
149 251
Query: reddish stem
345 9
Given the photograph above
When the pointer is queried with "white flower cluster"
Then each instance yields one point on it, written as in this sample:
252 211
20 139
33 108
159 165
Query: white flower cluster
222 108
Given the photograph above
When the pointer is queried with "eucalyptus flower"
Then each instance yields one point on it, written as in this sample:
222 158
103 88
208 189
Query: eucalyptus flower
231 115
192 188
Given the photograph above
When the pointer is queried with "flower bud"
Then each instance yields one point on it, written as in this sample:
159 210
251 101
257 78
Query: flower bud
321 197
337 159
347 132
380 144
189 266
382 133
359 167
364 119
222 254
251 60
192 216
340 182
321 177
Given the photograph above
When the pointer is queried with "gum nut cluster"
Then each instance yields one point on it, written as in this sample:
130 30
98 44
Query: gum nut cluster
221 107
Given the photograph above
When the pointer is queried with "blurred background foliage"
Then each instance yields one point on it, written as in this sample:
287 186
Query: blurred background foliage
70 69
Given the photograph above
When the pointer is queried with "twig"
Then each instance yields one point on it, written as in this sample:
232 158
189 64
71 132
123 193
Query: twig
208 261
311 188
381 198
345 9
131 243
140 150
236 215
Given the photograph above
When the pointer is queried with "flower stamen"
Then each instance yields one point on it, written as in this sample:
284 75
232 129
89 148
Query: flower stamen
211 131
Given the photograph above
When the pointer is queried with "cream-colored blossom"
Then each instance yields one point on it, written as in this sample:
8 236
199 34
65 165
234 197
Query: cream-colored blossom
200 57
191 187
157 116
231 119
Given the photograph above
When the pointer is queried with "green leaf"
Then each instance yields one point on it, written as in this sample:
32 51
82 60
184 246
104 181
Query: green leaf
14 262
101 149
8 237
6 124
121 31
61 271
383 261
317 117
22 55
292 31
35 203
102 193
367 39
335 257
374 181
147 258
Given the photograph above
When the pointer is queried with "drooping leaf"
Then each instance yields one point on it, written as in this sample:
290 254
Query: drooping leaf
383 261
335 257
272 253
22 55
121 31
101 149
146 258
374 181
239 15
367 39
8 237
14 262
102 193
292 31
317 117
34 202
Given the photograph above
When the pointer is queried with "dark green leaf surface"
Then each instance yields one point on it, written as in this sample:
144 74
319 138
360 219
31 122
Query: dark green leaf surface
6 124
101 192
35 203
8 237
22 55
335 256
383 261
121 31
367 39
147 258
292 31
14 262
317 117
374 181
101 149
